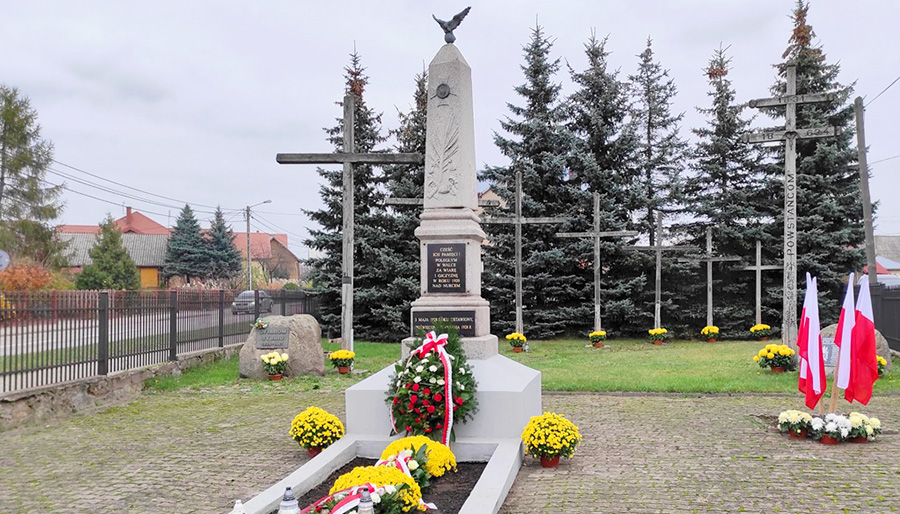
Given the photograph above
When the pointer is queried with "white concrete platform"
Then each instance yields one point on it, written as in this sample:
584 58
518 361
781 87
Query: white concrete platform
504 458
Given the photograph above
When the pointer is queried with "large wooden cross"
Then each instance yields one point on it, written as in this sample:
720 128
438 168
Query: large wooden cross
709 259
659 249
789 135
348 157
518 220
759 268
597 234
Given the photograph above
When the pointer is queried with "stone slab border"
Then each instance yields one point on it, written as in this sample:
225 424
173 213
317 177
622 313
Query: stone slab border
503 457
60 400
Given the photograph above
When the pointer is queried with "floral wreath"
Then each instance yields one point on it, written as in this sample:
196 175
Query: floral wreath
433 389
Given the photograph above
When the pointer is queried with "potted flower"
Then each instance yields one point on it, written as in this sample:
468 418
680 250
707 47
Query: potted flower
260 324
833 429
597 338
862 427
777 357
315 429
517 341
711 332
794 422
882 365
549 437
274 363
658 335
342 360
761 331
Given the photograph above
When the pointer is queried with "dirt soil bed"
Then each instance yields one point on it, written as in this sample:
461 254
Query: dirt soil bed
448 492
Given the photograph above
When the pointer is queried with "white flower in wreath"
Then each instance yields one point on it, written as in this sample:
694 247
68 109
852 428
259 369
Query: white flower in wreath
389 489
432 380
440 382
420 369
462 387
432 368
462 371
417 379
376 498
413 465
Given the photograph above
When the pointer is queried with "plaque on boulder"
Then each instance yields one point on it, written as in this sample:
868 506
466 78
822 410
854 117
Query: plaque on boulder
446 267
273 337
464 321
829 352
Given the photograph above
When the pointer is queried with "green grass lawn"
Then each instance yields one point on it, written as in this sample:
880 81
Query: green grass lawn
566 365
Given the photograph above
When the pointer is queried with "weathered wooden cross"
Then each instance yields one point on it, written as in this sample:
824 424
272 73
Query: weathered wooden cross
659 249
759 268
789 135
348 158
518 221
709 259
597 234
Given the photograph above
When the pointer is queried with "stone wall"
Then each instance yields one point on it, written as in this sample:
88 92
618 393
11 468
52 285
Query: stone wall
60 400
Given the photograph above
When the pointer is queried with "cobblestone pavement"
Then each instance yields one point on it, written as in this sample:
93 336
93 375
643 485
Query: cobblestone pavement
195 452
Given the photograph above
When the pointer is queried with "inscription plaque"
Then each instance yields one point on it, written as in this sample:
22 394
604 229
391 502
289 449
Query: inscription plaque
829 352
464 321
274 337
446 267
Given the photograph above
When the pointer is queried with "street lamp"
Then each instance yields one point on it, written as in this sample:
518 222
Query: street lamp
249 260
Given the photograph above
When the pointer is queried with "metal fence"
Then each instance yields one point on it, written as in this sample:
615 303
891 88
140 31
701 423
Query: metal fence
48 337
886 308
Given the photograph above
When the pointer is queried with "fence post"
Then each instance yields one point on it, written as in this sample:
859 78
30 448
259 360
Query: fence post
173 325
103 333
221 318
283 302
255 304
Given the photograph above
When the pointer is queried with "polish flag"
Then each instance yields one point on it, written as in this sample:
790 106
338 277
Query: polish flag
802 337
864 371
843 335
816 383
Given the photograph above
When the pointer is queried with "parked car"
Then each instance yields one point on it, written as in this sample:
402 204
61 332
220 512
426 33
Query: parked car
244 302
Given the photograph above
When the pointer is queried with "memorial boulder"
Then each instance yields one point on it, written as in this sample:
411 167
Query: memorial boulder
830 350
299 336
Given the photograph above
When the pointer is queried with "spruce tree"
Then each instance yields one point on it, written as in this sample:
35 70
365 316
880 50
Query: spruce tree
111 266
606 148
829 210
399 256
660 154
541 148
28 204
369 217
224 257
660 159
186 255
727 192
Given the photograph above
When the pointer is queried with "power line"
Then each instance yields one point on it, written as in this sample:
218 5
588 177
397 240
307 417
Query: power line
882 160
273 226
67 188
882 92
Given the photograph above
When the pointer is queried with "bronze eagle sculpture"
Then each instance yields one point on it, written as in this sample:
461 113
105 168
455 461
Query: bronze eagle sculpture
448 26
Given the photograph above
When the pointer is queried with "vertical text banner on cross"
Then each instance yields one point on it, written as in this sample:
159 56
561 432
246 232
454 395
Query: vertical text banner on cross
789 135
348 157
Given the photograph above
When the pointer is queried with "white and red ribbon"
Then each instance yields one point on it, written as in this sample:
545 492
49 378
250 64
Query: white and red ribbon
436 343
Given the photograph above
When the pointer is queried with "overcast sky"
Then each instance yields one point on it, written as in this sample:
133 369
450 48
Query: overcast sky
192 100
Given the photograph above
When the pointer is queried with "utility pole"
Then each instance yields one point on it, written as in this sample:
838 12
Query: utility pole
864 190
249 258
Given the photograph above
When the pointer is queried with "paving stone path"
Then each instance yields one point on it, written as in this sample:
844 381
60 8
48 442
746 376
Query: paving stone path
195 452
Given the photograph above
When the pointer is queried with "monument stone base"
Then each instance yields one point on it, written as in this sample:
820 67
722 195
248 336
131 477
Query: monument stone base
508 395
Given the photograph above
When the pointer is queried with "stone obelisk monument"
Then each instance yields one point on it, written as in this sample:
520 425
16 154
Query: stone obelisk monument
451 238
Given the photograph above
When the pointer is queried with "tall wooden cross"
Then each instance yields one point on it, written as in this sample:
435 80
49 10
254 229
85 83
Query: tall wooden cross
597 234
759 268
709 259
348 157
789 135
518 221
659 249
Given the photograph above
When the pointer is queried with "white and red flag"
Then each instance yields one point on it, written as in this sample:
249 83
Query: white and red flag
812 383
842 338
864 371
802 338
